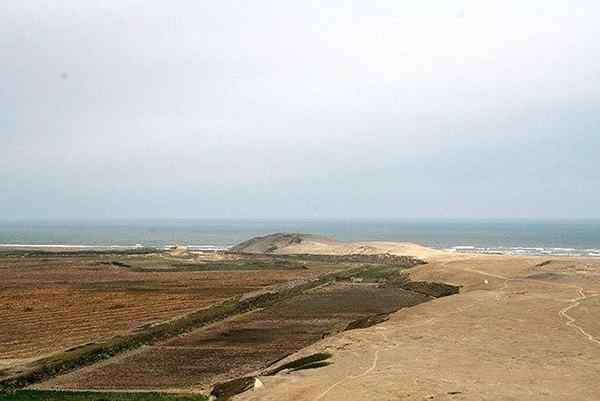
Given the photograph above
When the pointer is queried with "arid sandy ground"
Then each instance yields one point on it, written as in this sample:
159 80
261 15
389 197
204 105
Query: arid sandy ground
520 330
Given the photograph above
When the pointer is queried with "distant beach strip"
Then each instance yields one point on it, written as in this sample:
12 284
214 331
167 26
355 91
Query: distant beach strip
513 251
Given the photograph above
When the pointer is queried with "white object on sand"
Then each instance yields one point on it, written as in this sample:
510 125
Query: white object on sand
257 383
485 281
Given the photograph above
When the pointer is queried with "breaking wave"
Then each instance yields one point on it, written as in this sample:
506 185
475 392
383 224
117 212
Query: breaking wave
526 251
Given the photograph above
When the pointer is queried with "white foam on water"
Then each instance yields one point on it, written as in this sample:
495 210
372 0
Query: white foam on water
208 247
526 251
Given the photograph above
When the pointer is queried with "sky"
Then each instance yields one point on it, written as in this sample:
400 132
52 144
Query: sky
288 109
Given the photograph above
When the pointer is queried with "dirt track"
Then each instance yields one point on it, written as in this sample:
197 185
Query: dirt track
517 332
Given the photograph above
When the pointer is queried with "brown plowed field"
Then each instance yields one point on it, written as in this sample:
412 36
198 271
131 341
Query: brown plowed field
240 345
52 304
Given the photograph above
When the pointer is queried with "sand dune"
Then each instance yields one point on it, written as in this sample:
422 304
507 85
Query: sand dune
296 243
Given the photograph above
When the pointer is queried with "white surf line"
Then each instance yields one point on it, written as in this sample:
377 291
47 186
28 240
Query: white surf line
570 321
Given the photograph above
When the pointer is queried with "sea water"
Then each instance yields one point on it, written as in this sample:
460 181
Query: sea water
581 238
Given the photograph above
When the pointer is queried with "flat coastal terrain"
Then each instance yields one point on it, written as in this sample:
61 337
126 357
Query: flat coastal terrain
521 328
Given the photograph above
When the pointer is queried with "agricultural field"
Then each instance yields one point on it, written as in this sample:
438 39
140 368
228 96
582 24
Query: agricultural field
177 321
51 302
242 344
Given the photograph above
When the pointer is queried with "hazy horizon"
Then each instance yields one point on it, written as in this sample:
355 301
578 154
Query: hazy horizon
286 110
382 219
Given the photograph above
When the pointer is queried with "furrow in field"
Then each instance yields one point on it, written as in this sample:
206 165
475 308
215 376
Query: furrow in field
50 316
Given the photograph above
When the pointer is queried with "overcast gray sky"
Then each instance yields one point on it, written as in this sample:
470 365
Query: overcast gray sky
462 108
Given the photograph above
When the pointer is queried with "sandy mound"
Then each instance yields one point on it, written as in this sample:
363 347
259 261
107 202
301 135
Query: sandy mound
288 244
278 242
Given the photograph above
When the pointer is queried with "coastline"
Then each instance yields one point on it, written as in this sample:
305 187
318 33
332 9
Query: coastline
458 249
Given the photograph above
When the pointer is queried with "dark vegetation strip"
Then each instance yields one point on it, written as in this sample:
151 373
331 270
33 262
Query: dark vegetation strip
432 289
307 362
251 261
37 395
67 361
226 390
380 259
227 265
367 321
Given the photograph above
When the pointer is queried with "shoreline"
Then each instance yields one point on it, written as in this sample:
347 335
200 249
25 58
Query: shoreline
456 249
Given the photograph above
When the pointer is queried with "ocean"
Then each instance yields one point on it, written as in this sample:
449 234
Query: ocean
579 238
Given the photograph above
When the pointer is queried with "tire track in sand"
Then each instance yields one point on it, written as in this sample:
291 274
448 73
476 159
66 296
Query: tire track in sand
366 372
570 321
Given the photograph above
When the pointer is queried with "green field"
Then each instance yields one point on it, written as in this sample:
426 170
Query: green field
33 395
